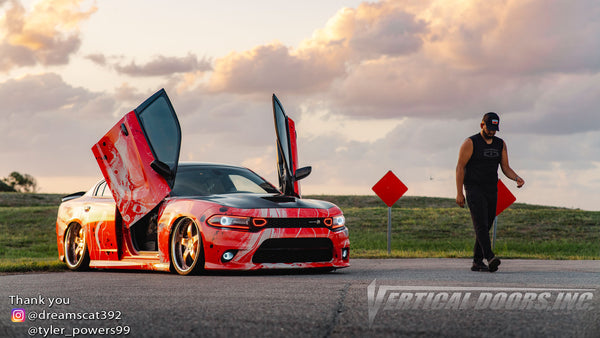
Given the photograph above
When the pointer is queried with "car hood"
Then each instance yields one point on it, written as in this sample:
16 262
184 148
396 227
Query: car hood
260 201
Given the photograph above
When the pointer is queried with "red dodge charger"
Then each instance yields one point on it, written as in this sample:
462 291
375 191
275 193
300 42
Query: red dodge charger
151 212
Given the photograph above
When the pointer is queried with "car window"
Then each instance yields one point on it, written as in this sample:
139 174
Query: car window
204 181
244 184
161 127
107 192
282 132
162 130
100 189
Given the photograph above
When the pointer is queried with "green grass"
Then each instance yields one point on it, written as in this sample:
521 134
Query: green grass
436 227
31 264
14 199
27 232
421 227
28 240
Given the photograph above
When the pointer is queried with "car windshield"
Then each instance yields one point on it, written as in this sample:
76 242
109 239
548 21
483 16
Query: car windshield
208 180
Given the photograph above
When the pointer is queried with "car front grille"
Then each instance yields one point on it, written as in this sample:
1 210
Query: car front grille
294 250
295 222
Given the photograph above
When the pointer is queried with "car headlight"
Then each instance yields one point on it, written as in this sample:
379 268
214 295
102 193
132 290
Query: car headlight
339 221
233 222
335 223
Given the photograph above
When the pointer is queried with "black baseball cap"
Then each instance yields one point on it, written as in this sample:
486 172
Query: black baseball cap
492 121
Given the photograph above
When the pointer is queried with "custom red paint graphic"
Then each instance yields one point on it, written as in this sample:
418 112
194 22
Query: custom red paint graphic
139 189
152 212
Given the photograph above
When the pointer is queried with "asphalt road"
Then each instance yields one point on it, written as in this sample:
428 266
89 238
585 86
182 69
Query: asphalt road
390 297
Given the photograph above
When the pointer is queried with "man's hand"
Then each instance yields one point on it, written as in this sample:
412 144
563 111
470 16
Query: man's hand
460 200
520 181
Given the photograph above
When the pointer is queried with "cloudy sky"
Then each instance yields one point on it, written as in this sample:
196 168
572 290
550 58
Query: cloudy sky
373 86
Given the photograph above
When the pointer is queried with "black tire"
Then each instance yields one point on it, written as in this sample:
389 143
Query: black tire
187 252
77 256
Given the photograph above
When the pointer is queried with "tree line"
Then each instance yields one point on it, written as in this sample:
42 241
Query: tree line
17 182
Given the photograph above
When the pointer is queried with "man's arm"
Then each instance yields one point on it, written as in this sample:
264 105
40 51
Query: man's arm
464 154
507 170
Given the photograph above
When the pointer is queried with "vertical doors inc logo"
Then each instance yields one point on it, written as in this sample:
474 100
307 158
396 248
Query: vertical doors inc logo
402 298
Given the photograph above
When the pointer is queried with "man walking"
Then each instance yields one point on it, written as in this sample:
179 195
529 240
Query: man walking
477 170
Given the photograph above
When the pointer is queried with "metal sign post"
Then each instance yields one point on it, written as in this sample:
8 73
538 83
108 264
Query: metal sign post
389 188
389 230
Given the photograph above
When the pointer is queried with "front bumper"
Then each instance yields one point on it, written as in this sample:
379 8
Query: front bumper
275 248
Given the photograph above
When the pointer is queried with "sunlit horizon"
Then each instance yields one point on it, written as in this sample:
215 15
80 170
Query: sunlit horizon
373 86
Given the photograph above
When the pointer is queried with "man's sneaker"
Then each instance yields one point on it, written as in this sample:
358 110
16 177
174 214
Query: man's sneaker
479 266
493 264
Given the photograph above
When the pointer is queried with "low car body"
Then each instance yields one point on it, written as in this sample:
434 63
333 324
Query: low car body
152 212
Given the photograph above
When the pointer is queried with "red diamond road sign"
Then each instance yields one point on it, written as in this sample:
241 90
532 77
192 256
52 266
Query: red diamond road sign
389 188
505 198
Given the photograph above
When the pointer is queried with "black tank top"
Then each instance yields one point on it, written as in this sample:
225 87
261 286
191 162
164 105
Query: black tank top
482 167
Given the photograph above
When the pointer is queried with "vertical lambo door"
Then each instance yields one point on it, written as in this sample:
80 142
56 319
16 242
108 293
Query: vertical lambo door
287 152
139 155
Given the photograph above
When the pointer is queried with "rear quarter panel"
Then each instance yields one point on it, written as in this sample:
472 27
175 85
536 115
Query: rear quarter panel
68 212
98 223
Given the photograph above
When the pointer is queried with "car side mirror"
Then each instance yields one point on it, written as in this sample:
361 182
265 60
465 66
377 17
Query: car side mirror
162 169
302 173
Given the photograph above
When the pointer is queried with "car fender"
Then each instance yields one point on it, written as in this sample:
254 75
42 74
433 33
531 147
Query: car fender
170 213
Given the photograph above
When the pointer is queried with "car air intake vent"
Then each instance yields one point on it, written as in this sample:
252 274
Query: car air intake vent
294 250
280 199
295 222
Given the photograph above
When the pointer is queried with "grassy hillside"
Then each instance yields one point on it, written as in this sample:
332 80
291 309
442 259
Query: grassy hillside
422 227
436 227
13 199
27 225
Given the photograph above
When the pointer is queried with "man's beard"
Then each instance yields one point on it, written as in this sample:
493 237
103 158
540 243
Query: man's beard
486 135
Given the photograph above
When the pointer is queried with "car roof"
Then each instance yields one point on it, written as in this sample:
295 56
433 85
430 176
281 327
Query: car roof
205 164
189 164
182 165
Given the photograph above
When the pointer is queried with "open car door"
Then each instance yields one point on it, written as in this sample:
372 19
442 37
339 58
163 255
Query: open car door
287 152
139 155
